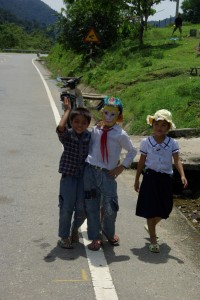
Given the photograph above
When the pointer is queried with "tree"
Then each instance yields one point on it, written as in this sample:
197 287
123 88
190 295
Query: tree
79 16
8 39
143 9
191 11
107 17
13 36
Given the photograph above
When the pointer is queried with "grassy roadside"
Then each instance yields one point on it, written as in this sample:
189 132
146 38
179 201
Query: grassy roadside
155 77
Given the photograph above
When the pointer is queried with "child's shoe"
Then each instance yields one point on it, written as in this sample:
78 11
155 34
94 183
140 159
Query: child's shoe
65 243
154 248
95 245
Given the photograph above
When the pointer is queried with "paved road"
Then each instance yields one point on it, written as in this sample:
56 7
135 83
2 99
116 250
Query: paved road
32 266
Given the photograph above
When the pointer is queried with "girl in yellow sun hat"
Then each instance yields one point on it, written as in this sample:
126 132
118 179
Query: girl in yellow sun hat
155 199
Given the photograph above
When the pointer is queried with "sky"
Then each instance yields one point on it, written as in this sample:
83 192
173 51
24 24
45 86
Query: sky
55 4
163 10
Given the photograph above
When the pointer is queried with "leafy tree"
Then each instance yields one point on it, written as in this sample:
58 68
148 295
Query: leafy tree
191 11
109 18
23 34
8 39
29 26
142 9
13 36
104 16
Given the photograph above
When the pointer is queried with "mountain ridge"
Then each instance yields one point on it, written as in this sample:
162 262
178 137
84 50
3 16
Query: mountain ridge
30 10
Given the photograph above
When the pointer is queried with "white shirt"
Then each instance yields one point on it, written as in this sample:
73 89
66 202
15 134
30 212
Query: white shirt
159 156
117 139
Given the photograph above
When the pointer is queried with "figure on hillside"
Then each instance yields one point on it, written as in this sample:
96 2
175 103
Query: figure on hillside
155 199
102 168
178 24
75 142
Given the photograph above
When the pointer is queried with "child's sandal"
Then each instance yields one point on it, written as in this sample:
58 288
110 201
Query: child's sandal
114 241
95 245
65 243
154 248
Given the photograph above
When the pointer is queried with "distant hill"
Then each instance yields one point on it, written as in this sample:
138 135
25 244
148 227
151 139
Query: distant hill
30 10
162 23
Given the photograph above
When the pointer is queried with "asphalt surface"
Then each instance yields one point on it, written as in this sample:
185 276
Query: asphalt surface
32 266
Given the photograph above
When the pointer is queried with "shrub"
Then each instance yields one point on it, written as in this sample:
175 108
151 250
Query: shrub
146 63
158 55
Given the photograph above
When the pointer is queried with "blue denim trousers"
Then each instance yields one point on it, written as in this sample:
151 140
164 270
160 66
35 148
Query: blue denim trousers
100 188
71 200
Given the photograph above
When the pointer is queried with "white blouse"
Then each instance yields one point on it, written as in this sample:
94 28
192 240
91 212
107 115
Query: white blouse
159 156
117 140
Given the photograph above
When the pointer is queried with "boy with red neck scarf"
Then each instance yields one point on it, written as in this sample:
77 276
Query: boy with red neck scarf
102 169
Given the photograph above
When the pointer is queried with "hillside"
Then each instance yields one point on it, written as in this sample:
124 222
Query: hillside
157 76
30 10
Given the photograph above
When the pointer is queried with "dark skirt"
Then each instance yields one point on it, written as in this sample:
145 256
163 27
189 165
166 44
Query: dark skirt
155 197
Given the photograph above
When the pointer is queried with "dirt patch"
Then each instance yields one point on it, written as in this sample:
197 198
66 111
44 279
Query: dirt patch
190 208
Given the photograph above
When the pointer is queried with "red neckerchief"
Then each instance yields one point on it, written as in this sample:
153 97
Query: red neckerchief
104 149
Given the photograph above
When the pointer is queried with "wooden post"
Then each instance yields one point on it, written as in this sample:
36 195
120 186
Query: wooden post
177 8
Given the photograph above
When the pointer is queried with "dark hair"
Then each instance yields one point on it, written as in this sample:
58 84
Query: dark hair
81 111
169 124
120 109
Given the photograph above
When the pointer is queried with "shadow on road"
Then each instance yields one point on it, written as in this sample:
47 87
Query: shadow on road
111 256
65 254
145 255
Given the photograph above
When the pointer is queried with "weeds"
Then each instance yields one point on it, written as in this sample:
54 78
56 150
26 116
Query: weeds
148 79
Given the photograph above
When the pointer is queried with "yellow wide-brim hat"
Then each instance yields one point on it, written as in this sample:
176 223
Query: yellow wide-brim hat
163 115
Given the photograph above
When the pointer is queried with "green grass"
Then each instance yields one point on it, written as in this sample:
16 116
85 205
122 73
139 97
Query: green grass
146 80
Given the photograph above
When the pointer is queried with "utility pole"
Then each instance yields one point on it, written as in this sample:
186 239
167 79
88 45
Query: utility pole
177 8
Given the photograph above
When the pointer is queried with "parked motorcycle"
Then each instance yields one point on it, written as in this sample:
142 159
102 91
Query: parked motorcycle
69 87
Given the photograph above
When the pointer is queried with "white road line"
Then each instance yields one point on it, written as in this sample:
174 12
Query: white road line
51 100
102 281
101 278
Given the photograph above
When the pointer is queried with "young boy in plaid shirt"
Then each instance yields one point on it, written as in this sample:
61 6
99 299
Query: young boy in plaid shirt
75 142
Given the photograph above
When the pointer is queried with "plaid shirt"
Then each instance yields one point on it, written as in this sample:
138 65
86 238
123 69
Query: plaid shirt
76 148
